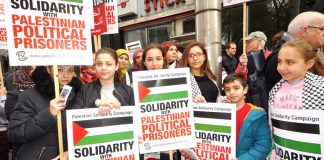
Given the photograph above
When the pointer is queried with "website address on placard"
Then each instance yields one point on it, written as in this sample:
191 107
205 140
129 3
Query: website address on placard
54 56
164 144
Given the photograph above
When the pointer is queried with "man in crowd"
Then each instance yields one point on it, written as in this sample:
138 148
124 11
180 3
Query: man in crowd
251 67
229 61
255 42
308 26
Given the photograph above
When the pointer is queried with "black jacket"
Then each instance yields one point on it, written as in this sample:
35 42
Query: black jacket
8 80
33 127
89 93
271 73
11 101
229 64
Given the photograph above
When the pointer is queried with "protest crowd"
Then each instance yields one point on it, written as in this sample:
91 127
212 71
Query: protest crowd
288 75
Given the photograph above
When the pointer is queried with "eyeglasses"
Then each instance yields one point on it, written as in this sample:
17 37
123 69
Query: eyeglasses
320 28
192 55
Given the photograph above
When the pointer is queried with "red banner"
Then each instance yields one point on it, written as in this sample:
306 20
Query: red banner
100 24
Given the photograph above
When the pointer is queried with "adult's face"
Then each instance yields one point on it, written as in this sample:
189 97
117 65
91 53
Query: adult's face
253 45
232 50
314 34
196 58
123 61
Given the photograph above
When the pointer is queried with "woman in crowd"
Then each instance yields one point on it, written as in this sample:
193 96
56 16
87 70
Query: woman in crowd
171 54
137 59
33 120
123 61
203 80
108 91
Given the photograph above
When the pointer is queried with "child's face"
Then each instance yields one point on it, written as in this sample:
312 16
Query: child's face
292 65
154 59
234 91
106 66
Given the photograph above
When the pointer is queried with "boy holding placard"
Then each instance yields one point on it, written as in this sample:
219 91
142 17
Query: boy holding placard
253 139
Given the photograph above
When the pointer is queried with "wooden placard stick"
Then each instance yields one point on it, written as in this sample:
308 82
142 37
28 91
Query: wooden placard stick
59 118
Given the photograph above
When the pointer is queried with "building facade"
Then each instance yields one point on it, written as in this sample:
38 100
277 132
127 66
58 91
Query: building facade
156 21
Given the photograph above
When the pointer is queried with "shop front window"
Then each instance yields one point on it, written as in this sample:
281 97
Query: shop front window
156 34
159 34
136 35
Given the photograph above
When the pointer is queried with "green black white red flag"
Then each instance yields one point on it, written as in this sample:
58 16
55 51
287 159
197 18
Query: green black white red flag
92 136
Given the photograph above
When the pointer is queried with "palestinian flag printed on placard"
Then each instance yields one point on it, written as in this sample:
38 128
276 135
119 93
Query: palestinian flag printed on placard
215 126
298 134
92 136
162 89
87 132
165 109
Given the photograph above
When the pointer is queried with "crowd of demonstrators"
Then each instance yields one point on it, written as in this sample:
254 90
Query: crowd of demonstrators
203 80
33 120
32 107
123 61
229 60
171 54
